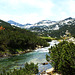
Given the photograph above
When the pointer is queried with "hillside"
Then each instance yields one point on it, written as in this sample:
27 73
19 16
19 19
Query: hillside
52 28
60 32
14 40
51 25
56 30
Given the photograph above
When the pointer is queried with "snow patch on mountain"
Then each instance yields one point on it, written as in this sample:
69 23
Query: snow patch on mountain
56 27
45 24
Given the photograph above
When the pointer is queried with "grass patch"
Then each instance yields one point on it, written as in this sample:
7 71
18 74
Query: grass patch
48 39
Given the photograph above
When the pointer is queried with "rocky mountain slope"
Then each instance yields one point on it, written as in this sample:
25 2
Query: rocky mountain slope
50 28
45 24
18 24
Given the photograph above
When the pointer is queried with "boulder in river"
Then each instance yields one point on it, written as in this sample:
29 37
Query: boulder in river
45 63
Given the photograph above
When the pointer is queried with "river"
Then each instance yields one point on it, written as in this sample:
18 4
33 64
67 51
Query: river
37 56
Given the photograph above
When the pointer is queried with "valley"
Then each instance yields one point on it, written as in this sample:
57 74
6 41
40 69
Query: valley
22 44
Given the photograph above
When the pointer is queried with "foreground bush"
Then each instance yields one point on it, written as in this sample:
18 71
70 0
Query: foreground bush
62 58
29 69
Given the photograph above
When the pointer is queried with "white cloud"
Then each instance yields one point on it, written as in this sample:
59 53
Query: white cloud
44 9
5 17
23 19
44 5
64 9
47 9
72 6
63 15
36 3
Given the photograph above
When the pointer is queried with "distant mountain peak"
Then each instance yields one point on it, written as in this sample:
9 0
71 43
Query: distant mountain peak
28 24
10 20
18 24
48 24
15 23
68 18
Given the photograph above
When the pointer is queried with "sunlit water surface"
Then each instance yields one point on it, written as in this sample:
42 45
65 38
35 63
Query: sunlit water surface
37 56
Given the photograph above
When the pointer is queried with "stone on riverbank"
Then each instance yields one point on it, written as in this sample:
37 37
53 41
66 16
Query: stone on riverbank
49 71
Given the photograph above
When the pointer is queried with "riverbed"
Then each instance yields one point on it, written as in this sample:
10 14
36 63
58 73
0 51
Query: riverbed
37 56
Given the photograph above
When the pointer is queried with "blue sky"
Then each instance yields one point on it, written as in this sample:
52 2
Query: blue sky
32 11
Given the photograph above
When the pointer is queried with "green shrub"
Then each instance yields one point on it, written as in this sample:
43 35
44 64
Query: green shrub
63 58
29 69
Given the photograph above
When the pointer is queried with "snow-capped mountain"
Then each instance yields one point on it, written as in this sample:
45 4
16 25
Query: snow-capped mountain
49 28
67 21
40 23
51 25
15 23
45 24
28 25
18 24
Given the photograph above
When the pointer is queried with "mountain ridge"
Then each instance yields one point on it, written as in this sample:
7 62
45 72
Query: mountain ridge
47 23
52 28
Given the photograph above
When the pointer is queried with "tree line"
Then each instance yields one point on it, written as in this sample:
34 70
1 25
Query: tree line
14 39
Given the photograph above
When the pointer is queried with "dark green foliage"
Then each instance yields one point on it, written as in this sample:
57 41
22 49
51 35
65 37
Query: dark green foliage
74 36
14 39
29 69
62 30
56 33
3 23
62 58
48 39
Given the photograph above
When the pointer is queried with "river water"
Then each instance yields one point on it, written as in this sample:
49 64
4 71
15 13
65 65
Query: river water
37 56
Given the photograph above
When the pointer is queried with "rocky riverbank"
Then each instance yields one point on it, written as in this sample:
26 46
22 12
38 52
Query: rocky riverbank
50 71
8 54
